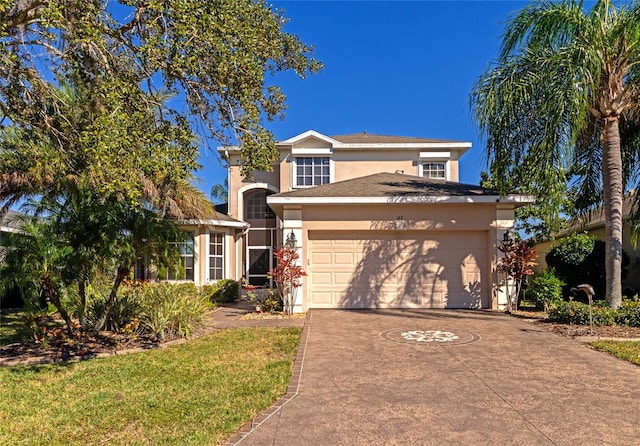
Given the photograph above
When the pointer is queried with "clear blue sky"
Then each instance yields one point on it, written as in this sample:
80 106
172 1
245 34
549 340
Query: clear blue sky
391 67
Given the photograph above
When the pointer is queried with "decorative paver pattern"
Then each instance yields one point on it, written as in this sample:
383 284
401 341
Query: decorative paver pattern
430 336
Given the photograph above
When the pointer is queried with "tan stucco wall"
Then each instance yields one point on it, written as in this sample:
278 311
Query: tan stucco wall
201 251
416 216
444 217
348 164
237 182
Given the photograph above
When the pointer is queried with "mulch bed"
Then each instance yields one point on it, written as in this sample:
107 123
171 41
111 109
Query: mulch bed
575 331
84 346
88 346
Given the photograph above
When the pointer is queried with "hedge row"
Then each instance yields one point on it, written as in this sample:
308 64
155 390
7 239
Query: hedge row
578 313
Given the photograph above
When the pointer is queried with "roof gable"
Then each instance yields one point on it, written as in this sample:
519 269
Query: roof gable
310 135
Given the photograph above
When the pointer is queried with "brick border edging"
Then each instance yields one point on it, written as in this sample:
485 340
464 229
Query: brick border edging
292 390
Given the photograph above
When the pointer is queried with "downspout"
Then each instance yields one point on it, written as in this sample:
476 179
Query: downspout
242 235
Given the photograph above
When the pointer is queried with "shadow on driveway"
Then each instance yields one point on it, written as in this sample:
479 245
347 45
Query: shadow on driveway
450 377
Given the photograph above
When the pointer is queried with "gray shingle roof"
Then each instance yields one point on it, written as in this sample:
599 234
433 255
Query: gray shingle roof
364 138
391 185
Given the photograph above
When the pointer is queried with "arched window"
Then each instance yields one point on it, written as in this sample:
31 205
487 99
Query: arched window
256 207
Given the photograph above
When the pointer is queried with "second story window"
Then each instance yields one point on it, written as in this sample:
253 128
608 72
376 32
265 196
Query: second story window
435 170
312 171
257 207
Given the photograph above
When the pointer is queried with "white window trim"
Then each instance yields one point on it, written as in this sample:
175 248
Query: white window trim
196 272
225 262
318 151
447 176
294 170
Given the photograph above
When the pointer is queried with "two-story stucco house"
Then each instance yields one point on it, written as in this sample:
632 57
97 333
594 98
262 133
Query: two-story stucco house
380 222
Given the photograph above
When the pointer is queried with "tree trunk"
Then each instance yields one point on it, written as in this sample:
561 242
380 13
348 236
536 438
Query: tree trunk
51 294
82 310
613 196
120 275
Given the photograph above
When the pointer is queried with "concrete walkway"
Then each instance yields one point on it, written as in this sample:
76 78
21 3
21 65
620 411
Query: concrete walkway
448 378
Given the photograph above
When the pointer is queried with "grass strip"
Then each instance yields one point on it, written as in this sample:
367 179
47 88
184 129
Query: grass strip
627 350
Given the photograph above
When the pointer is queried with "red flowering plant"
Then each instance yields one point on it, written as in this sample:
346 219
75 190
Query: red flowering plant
287 275
517 262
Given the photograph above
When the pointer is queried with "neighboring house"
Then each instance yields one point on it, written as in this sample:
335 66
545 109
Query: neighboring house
209 253
594 225
380 221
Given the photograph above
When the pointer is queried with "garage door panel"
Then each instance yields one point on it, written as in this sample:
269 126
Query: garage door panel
322 299
344 258
321 258
342 278
396 269
321 279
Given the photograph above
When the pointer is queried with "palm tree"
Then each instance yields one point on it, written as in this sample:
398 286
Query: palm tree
566 83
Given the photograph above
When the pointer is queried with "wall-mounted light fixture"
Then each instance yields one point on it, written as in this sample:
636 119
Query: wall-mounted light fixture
399 222
508 236
292 242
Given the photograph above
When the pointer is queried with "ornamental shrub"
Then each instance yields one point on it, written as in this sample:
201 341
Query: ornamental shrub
125 308
223 291
171 310
628 313
578 313
545 290
271 301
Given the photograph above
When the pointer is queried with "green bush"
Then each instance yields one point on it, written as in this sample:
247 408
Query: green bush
628 313
125 308
545 290
271 301
578 313
223 291
171 310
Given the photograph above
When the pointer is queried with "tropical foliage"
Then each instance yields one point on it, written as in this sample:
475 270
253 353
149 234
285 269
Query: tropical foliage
101 106
559 108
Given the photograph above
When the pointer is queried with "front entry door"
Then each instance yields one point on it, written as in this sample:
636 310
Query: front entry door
259 265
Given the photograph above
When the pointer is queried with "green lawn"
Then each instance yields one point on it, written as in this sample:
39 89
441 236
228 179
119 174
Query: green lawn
627 350
196 393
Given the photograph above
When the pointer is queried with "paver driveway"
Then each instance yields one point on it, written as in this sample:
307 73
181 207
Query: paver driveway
373 378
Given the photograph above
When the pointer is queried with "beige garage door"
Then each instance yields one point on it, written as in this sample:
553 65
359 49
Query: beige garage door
379 269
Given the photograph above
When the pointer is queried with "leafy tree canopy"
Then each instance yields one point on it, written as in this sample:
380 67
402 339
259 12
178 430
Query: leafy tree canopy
102 104
213 56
